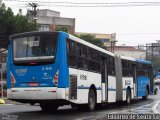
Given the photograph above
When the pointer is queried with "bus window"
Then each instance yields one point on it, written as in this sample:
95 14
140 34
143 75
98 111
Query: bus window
81 56
71 56
111 65
126 68
37 48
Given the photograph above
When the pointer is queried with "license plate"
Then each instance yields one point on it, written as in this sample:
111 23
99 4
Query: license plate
33 84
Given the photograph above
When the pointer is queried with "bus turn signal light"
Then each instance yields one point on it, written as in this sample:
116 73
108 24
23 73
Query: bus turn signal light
13 80
55 78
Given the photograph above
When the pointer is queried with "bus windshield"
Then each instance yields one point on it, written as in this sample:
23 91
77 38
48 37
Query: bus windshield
34 48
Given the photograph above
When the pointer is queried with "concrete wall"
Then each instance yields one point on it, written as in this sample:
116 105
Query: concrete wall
56 20
64 21
133 54
51 19
48 13
52 22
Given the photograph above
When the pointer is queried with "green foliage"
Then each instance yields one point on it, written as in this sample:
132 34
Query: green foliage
10 24
22 24
6 20
91 39
62 28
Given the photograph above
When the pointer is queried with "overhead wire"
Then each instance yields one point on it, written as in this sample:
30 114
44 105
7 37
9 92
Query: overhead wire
90 4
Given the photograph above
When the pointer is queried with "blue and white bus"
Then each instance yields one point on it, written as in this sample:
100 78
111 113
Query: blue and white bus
56 68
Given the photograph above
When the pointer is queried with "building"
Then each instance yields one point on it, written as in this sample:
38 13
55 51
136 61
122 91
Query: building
105 38
51 20
130 51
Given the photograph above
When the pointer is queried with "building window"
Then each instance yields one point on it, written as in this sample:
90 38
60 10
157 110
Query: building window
105 40
44 28
126 68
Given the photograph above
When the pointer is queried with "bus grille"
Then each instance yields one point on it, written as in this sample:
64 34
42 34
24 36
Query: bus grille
73 87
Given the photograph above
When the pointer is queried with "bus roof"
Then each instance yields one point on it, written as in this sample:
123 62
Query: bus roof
36 33
143 61
128 58
89 44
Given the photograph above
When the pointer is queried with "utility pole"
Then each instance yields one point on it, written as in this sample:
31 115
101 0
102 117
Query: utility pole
33 12
112 45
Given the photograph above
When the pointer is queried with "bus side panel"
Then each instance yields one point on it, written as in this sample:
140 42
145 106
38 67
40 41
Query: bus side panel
127 82
142 83
111 89
84 81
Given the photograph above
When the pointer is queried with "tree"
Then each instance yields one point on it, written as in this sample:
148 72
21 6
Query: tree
10 24
91 39
62 28
6 20
22 24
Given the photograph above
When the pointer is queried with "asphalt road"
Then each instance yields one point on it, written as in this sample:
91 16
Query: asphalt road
28 112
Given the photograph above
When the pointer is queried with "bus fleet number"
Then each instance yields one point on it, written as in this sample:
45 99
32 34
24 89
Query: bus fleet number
83 77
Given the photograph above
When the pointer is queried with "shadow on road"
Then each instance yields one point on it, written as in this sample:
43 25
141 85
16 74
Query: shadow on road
26 112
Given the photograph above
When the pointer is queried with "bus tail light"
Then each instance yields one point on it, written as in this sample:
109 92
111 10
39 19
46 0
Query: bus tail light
55 78
13 80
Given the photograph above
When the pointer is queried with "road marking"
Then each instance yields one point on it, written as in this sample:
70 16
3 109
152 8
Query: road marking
137 107
124 111
154 108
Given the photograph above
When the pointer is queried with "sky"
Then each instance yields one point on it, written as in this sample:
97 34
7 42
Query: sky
134 25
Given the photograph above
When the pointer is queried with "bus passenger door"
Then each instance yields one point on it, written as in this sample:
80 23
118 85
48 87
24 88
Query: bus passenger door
104 79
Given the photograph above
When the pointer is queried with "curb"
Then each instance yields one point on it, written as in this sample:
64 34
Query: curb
154 108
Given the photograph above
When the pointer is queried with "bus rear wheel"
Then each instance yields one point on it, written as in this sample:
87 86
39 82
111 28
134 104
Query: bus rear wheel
155 91
91 100
48 107
128 97
146 96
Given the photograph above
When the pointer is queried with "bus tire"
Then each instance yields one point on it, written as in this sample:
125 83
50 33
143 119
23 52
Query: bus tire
146 96
155 91
73 106
48 107
32 103
128 97
91 100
